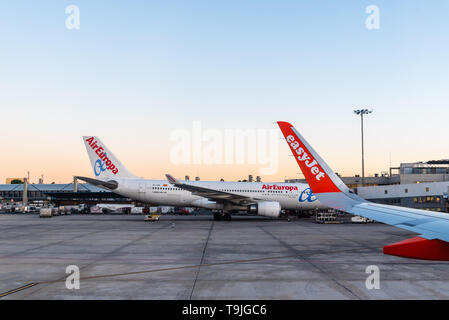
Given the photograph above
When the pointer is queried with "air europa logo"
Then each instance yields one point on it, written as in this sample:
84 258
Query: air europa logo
104 163
307 195
304 157
276 187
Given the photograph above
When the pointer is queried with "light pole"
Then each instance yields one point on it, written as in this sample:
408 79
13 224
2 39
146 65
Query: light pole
361 112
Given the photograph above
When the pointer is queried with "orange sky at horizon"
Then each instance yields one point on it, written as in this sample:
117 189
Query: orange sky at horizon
59 163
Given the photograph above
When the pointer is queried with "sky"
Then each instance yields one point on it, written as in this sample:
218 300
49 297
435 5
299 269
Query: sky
140 74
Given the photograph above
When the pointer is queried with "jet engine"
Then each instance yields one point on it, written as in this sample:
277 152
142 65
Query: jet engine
266 208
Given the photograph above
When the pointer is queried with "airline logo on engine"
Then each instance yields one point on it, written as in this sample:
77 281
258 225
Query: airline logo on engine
304 157
103 163
276 187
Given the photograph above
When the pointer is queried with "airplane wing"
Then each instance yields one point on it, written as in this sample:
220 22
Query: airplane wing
432 227
212 194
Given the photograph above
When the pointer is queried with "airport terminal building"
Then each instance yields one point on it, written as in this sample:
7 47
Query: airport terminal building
69 193
427 195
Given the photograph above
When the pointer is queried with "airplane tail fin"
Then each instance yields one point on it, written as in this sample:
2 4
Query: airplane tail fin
104 164
318 174
325 184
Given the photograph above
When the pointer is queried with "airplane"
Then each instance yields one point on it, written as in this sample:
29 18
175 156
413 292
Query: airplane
432 227
265 199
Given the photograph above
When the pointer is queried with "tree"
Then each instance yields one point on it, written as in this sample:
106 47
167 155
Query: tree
16 181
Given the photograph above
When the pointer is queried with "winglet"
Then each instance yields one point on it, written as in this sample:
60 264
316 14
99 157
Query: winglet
319 176
419 248
171 179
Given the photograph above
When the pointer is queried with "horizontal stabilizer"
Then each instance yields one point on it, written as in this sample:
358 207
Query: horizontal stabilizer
172 179
111 184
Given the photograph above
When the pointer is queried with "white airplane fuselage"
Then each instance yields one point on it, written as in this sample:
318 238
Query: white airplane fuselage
266 199
291 196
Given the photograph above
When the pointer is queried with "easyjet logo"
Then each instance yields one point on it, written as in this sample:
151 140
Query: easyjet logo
304 157
276 187
103 163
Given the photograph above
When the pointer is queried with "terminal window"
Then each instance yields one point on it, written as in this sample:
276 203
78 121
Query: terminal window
430 199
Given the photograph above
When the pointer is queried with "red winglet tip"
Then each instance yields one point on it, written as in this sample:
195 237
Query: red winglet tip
284 124
419 248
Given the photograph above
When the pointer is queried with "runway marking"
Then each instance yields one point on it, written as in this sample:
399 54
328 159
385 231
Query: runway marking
326 274
296 256
109 253
144 271
7 293
176 268
202 259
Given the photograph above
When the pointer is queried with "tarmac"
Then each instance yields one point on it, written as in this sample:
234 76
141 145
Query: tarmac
194 257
